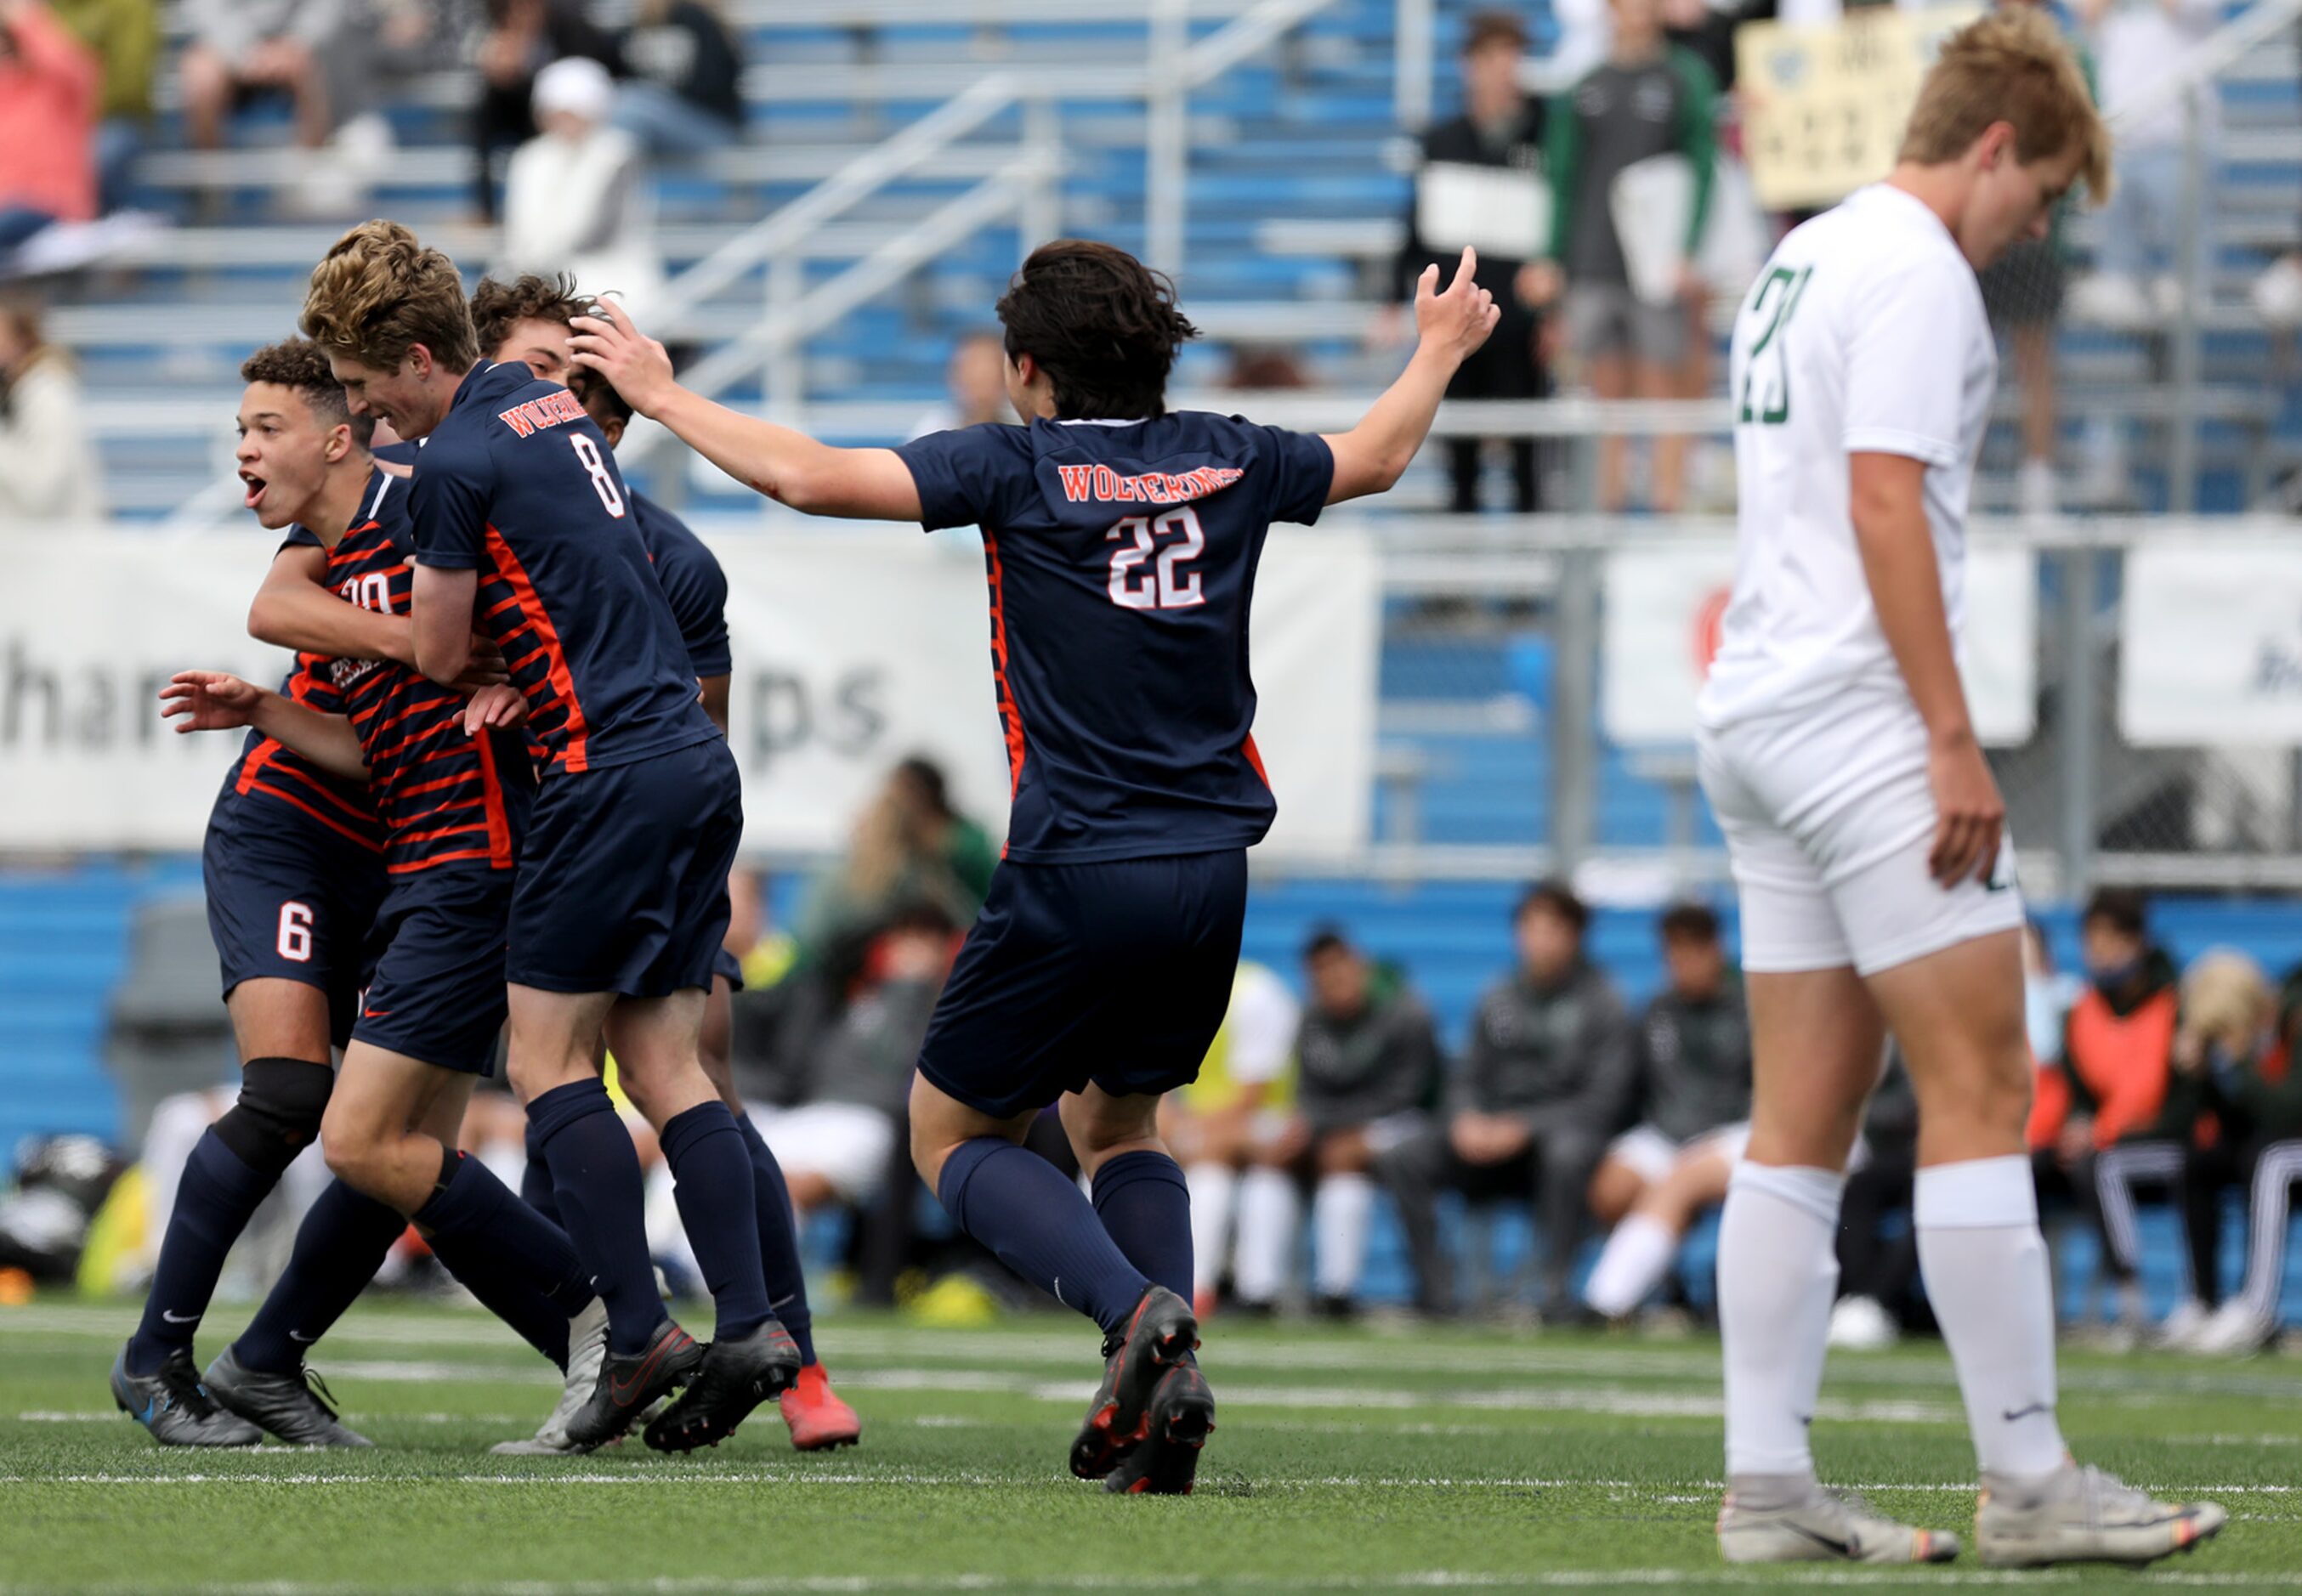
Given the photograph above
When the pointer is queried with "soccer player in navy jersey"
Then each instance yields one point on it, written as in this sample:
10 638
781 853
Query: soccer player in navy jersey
1119 546
523 526
453 807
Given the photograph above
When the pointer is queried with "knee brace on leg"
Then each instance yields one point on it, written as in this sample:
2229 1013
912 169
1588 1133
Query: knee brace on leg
281 1101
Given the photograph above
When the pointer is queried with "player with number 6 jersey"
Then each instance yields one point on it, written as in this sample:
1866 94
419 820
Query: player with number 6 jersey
1121 543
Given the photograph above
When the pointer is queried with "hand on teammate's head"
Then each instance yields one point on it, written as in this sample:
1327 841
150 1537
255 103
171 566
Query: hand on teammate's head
1457 320
637 365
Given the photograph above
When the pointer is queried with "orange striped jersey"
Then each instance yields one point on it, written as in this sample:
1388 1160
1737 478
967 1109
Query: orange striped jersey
271 772
517 484
445 798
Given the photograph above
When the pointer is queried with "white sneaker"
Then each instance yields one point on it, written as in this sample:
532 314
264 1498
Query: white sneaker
1860 1324
2235 1331
2038 493
2277 293
587 1346
1778 1518
2084 1515
2179 1330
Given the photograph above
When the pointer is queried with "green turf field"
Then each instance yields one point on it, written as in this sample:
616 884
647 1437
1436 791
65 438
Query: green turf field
1344 1461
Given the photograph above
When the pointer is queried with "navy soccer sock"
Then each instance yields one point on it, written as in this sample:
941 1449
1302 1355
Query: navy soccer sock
711 1172
595 1172
778 1241
218 1195
1142 1200
341 1243
536 1181
541 1321
489 1232
1025 1209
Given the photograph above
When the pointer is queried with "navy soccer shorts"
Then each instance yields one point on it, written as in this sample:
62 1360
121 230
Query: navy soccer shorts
288 898
437 995
1117 973
728 968
623 886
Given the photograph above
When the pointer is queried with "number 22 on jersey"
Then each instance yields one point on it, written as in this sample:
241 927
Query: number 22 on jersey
1168 583
1774 407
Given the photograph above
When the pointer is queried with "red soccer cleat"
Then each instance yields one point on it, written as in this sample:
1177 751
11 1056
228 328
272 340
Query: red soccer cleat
819 1420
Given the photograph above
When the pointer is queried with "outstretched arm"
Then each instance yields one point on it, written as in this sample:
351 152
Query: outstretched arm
1449 327
791 468
295 609
212 700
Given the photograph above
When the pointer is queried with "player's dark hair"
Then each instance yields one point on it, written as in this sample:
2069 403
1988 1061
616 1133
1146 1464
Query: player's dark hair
1690 922
1486 28
497 307
598 395
1324 940
1557 897
1103 325
302 366
2121 908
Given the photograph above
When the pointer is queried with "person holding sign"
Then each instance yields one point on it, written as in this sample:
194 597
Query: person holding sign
1867 837
1480 186
1630 161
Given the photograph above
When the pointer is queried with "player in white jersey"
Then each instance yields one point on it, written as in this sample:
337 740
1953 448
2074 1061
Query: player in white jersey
1866 832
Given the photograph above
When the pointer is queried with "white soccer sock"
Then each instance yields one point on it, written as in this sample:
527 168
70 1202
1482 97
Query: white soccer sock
1212 1187
1341 1211
1992 1292
1270 1213
1776 1276
1636 1258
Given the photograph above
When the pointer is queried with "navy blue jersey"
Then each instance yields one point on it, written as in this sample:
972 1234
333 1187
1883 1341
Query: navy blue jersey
692 582
442 795
268 771
517 484
1120 557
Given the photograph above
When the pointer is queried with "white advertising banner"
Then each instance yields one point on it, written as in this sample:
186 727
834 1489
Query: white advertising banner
1664 605
852 649
2211 643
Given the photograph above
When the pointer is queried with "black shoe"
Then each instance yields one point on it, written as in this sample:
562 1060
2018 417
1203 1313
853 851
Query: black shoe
1337 1309
1160 1334
1182 1416
176 1407
628 1385
737 1377
298 1408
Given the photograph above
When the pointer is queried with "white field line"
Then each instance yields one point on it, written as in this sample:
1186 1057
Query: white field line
1419 1580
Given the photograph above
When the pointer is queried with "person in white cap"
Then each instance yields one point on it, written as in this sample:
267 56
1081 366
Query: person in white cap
576 196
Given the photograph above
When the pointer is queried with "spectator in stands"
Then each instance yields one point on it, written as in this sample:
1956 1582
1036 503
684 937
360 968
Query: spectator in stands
910 845
1877 1262
522 38
2257 1092
2137 43
243 48
975 387
124 36
576 197
1494 148
1367 1070
48 470
2130 1114
1531 1105
1691 1098
686 95
1626 298
1219 1125
48 84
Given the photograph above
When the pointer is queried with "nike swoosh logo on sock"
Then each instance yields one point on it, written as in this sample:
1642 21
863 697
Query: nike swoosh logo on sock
180 1318
2013 1413
305 1340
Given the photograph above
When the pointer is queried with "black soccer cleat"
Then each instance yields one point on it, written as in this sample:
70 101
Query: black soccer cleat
628 1386
1160 1334
737 1377
176 1407
298 1408
1166 1462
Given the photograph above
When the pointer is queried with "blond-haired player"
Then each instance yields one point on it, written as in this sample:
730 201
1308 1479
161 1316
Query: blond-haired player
1866 834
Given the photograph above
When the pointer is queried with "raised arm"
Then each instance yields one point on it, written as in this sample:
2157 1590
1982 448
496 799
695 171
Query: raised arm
1888 493
790 467
212 700
1449 327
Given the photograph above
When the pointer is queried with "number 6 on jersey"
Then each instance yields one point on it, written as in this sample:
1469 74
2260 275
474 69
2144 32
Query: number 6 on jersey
1167 585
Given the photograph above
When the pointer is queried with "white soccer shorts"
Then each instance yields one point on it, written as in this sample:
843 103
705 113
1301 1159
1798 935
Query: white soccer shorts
847 1143
1829 818
1649 1155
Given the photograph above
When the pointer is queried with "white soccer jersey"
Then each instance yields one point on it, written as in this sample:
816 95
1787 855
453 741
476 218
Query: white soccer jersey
1865 334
